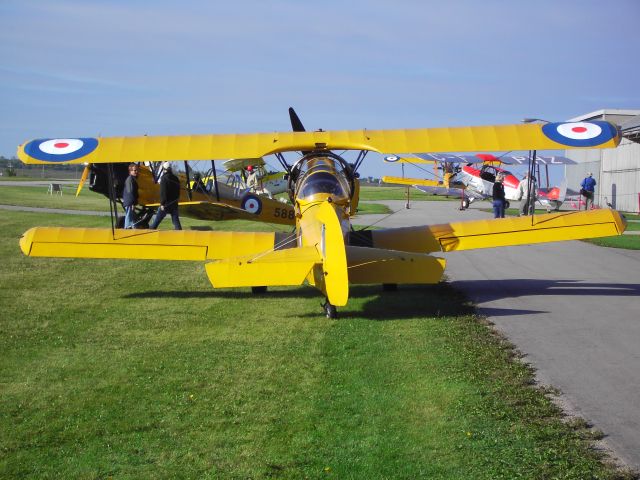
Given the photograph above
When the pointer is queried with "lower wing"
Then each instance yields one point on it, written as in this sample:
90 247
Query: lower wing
501 232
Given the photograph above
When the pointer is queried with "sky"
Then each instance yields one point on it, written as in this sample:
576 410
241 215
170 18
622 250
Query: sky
109 68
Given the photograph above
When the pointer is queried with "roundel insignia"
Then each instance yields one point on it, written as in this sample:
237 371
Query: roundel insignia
60 149
391 158
251 203
580 134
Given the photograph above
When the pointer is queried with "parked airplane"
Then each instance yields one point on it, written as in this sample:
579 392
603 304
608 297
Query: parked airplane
472 177
324 250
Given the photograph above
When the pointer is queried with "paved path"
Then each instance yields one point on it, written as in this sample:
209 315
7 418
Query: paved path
53 210
571 307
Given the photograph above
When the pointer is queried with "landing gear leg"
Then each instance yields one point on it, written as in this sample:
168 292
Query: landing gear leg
329 310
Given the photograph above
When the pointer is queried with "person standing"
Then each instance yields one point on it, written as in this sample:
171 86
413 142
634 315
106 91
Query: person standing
588 189
130 196
498 197
169 197
527 199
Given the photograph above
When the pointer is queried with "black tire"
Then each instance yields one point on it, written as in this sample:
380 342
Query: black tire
389 287
330 311
258 290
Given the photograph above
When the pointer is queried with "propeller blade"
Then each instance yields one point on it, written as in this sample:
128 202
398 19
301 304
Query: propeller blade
83 178
296 124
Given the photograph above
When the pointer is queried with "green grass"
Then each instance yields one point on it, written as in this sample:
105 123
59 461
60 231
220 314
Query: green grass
365 208
38 197
630 242
398 193
138 369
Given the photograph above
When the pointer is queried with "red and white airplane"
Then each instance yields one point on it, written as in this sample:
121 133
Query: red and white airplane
475 176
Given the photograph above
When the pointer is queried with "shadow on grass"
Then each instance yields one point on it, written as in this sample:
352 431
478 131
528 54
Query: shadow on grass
409 301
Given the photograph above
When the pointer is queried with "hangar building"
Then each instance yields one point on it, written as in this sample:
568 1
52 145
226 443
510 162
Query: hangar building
616 170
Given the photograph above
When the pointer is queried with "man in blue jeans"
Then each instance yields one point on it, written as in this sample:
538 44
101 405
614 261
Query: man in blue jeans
130 196
169 197
587 191
498 197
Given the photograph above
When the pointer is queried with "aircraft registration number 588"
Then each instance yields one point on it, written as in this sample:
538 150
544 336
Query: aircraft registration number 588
284 213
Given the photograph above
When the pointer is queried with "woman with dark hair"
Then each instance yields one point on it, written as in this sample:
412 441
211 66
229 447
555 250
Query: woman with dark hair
498 197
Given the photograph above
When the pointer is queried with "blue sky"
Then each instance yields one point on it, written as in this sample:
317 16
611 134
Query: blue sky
86 68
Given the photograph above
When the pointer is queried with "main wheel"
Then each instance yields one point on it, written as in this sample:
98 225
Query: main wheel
258 290
389 287
330 310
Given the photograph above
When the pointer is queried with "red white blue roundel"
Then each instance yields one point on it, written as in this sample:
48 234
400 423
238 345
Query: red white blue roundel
251 203
580 134
391 158
60 149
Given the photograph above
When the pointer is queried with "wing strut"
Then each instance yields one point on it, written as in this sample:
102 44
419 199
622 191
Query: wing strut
113 206
186 171
215 180
532 169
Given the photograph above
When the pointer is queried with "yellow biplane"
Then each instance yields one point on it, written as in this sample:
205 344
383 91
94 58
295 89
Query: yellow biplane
208 196
323 250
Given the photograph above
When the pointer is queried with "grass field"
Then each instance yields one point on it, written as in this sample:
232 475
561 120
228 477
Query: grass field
38 197
87 200
138 369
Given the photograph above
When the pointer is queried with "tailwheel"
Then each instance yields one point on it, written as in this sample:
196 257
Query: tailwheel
258 290
330 310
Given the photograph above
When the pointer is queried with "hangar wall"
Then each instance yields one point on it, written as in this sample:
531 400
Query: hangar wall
617 171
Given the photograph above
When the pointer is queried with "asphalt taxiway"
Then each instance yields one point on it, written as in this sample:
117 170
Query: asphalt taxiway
572 308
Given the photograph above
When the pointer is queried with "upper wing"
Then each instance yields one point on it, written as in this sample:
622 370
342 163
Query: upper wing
551 227
551 136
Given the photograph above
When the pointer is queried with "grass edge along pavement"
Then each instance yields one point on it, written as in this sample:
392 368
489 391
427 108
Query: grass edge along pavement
138 369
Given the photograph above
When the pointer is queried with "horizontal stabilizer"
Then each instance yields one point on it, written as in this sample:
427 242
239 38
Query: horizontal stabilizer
501 232
280 267
373 265
144 244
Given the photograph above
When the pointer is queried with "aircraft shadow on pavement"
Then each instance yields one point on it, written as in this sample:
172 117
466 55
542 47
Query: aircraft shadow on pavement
488 290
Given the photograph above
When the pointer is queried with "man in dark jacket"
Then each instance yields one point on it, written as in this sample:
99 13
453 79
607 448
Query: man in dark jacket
169 196
498 197
130 196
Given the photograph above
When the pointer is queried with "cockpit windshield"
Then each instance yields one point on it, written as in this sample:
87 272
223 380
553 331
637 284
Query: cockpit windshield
322 182
320 176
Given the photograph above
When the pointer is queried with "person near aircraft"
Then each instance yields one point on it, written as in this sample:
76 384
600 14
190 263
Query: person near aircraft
198 184
527 200
130 196
169 196
252 178
498 197
588 187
